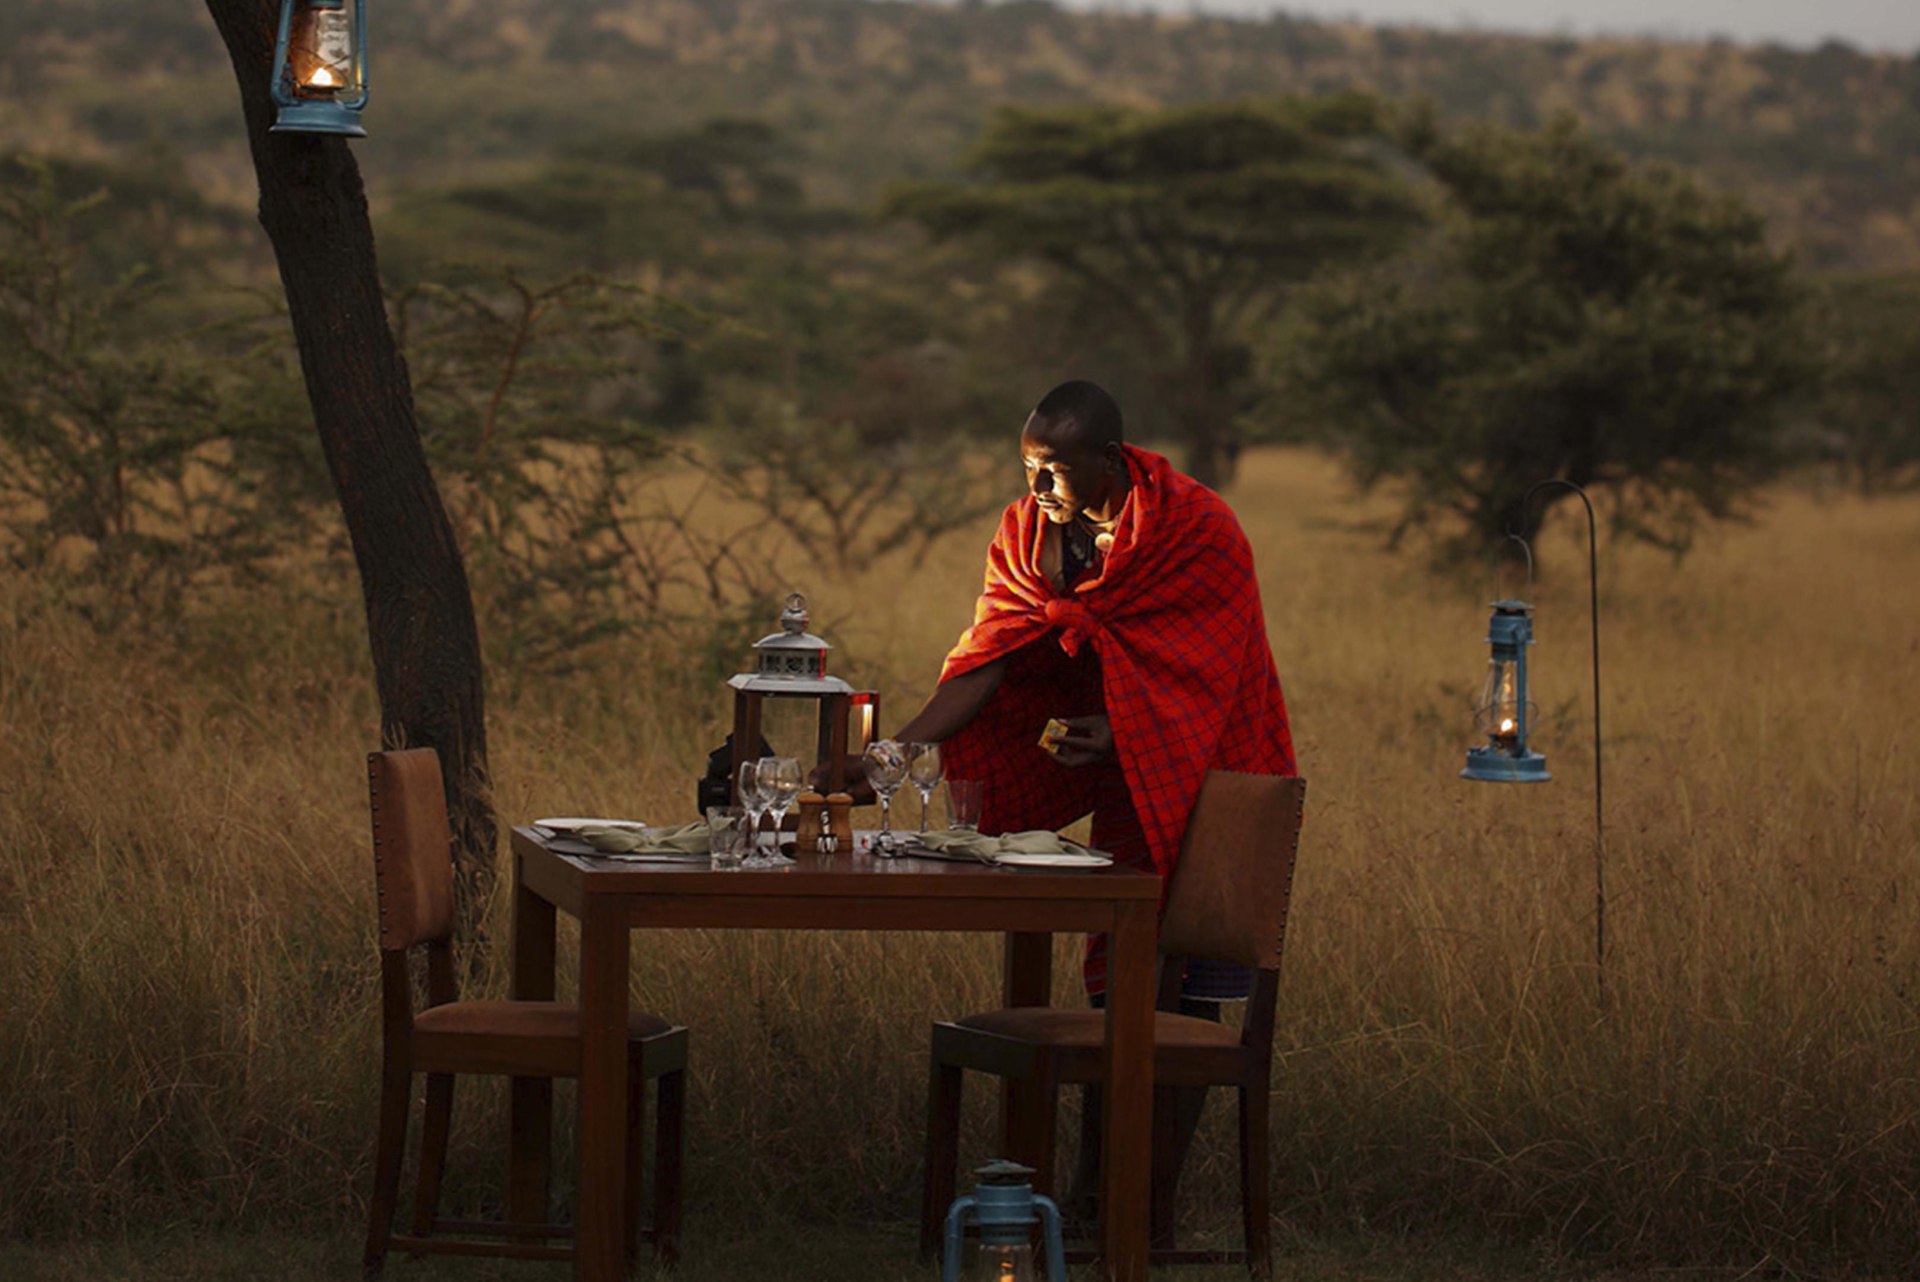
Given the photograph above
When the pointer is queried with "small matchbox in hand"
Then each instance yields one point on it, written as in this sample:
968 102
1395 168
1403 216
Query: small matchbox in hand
1051 736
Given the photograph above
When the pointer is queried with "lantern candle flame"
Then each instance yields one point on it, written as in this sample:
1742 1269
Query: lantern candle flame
322 78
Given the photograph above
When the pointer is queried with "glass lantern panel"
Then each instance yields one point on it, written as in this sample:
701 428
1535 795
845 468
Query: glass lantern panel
322 61
1498 711
791 728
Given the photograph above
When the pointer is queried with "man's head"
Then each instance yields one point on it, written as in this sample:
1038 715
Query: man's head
1071 448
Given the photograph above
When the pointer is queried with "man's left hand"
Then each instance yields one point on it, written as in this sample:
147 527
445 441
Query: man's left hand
1087 742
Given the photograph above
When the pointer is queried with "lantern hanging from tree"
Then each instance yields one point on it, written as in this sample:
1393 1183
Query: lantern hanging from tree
320 67
1504 712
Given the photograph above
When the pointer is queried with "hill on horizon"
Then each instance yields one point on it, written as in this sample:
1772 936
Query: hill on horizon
1826 141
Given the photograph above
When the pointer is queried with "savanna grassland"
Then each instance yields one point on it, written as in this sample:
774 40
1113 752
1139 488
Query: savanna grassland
187 930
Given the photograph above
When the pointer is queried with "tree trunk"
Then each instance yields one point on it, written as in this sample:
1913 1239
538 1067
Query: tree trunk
1206 460
1206 422
1201 400
420 626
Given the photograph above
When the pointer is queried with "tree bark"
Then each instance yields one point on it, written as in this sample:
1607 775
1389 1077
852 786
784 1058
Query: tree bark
1195 405
420 625
1205 459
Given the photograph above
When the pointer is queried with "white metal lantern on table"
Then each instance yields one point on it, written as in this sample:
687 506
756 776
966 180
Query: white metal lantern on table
792 664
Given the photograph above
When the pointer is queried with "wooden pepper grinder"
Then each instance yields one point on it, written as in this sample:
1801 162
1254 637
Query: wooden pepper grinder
840 819
813 822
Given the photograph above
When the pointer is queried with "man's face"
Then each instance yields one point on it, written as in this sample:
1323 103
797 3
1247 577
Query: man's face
1064 474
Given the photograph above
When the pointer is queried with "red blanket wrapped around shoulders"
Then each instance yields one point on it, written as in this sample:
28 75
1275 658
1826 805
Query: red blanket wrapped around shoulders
1184 671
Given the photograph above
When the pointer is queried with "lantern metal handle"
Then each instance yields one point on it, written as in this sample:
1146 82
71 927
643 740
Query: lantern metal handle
956 1217
1529 551
1496 564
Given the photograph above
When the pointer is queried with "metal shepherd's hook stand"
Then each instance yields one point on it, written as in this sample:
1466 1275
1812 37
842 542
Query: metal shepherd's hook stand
1599 777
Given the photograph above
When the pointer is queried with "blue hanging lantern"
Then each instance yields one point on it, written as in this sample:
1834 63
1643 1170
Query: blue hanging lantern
320 67
1504 712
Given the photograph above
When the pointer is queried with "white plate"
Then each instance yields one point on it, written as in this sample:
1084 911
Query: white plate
575 824
1055 861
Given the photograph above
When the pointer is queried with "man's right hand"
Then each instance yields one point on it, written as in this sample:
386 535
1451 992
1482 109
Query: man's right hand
1087 742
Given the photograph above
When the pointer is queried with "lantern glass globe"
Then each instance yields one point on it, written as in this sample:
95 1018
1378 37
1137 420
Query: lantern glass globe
1005 1263
1498 711
320 50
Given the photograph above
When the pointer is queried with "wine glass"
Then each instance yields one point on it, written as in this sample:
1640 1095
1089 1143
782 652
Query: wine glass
886 768
924 773
780 782
754 799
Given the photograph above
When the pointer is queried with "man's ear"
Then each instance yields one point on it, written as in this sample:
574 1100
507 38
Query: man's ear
1115 456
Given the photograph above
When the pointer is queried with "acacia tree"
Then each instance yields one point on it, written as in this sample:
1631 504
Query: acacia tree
1577 317
1870 406
420 625
98 432
1185 226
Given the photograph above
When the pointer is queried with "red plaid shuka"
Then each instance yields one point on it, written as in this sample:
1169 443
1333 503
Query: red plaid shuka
1181 664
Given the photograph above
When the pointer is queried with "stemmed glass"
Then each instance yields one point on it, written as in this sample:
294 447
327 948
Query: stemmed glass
886 767
780 782
754 799
924 772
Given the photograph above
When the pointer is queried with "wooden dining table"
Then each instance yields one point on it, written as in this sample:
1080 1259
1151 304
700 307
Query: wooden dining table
847 891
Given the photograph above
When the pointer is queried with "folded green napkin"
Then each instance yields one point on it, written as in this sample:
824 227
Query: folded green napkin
974 845
687 839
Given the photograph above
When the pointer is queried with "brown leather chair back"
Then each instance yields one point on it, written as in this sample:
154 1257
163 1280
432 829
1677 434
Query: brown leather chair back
1231 888
412 847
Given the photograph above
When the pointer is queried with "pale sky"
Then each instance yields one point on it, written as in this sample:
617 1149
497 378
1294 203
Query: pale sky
1891 26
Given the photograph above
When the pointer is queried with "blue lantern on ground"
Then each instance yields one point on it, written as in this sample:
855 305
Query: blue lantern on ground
320 67
1006 1208
1504 713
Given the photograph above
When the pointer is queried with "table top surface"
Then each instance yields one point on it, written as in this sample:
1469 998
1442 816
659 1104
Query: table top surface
842 874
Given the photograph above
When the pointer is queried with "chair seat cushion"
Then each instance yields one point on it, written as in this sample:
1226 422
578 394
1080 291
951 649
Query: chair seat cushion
521 1019
1061 1026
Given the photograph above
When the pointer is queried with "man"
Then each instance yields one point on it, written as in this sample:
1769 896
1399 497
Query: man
1120 598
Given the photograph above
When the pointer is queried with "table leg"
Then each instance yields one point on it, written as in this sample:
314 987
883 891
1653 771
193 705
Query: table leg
1027 980
530 1101
600 1226
1126 1156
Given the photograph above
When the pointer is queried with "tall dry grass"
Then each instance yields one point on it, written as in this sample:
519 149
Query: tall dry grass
187 944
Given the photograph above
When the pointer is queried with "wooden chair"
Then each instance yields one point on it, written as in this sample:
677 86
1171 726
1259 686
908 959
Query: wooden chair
413 867
1228 901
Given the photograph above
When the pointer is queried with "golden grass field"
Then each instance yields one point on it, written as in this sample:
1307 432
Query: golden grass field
188 963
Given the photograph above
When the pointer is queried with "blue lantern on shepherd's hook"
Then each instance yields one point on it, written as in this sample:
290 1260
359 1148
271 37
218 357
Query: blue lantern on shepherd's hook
1506 714
320 67
1504 711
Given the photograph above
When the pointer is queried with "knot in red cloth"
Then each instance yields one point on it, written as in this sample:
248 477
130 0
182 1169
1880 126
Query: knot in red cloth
1076 622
